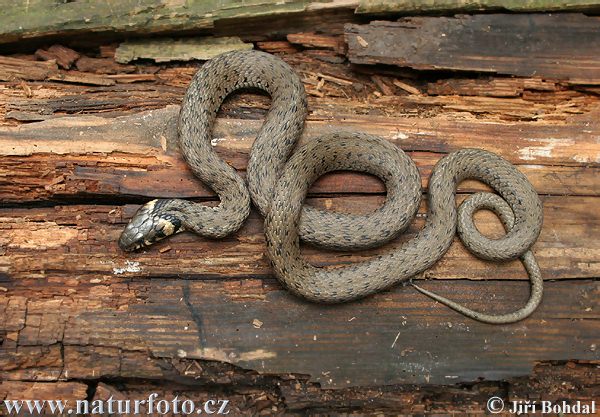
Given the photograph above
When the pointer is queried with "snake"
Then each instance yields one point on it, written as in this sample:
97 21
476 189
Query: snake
280 172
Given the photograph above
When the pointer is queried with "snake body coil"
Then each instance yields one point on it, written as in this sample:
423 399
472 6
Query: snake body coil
278 187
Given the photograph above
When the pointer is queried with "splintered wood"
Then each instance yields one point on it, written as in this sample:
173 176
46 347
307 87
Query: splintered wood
547 45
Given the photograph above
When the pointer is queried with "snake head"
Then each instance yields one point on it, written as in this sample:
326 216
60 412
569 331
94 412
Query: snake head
151 223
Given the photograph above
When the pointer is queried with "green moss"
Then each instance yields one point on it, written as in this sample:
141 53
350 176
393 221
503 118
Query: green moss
414 6
38 18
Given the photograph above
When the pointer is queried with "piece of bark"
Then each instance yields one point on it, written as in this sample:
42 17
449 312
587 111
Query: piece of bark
164 319
15 69
494 43
521 143
105 100
64 57
325 56
313 40
564 250
81 78
491 87
470 6
22 390
102 66
21 21
185 49
277 47
382 84
406 87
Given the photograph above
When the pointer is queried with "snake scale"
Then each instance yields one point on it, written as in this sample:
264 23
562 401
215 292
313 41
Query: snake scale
279 177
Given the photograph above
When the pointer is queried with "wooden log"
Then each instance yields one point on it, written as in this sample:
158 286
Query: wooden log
312 40
454 6
491 87
138 156
64 57
187 49
107 327
198 317
14 68
294 394
28 21
533 100
485 43
82 239
470 97
141 158
409 399
43 178
66 391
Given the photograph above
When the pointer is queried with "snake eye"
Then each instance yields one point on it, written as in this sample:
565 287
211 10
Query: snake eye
150 224
137 232
135 235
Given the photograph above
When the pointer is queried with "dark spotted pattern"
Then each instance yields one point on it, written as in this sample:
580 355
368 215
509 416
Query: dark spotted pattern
278 189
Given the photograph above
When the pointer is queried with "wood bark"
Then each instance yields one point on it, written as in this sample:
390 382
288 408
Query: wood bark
558 46
46 19
470 6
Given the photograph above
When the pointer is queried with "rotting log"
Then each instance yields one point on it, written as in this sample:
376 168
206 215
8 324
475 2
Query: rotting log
555 46
397 337
26 21
293 395
47 19
64 240
137 155
203 318
13 68
456 6
75 252
168 49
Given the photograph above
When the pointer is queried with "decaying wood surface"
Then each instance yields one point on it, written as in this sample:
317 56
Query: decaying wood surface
187 49
457 6
26 20
29 20
85 140
555 46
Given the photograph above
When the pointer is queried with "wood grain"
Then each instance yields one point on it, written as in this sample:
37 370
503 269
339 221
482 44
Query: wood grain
83 145
386 339
75 239
22 21
137 155
456 6
549 45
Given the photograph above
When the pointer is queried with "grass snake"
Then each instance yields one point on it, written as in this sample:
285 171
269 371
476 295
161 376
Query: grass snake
279 176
